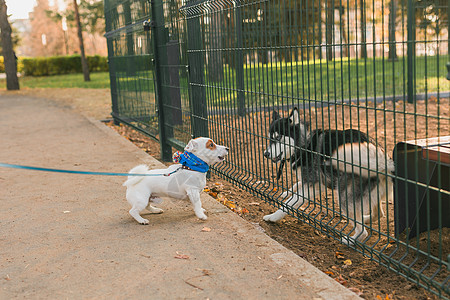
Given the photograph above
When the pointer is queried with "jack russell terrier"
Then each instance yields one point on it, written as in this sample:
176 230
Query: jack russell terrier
184 180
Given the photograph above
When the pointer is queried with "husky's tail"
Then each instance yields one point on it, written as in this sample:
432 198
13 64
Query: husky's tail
133 180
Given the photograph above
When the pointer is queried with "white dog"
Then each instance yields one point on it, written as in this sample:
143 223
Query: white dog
180 181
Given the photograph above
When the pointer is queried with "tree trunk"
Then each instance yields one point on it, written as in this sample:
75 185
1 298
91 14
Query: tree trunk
346 46
84 64
12 82
329 23
363 30
392 44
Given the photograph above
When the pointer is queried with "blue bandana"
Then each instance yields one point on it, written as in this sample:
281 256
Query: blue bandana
193 162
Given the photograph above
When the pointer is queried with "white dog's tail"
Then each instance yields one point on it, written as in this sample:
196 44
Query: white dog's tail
133 180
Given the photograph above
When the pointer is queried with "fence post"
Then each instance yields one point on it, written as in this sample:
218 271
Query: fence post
239 67
111 66
199 110
130 42
410 51
160 52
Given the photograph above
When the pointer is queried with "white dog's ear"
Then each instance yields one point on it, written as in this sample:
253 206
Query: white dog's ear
294 116
191 146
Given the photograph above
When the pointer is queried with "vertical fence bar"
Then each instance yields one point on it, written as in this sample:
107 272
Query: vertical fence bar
199 110
410 51
111 64
130 42
239 58
159 37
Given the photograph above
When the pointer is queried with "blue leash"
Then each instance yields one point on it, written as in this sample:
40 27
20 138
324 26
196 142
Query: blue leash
80 172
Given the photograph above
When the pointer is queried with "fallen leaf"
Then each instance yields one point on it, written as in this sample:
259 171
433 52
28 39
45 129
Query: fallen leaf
181 256
206 229
213 194
206 190
348 262
229 204
341 280
356 291
245 211
329 273
205 272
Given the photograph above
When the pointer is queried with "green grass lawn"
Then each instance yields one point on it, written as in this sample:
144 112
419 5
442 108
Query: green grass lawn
321 80
282 82
98 81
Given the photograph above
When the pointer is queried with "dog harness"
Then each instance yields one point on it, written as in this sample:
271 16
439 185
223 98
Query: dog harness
190 162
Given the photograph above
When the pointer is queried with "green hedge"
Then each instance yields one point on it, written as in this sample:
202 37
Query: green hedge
55 65
2 65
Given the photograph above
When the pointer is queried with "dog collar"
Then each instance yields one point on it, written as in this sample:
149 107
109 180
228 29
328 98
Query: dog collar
192 162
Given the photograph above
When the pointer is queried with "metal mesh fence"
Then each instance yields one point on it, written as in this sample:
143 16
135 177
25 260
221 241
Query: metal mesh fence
220 68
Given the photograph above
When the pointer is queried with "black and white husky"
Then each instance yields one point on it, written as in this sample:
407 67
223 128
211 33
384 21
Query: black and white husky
346 161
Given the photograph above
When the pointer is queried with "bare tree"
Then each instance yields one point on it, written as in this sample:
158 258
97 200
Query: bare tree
329 21
392 16
84 64
362 10
12 82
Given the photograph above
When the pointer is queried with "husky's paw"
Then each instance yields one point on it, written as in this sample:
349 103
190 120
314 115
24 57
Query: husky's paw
347 241
351 241
275 217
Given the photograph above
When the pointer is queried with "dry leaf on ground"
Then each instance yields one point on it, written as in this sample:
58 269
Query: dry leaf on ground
181 256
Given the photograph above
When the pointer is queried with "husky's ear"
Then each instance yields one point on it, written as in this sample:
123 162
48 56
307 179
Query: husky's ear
275 115
294 116
192 145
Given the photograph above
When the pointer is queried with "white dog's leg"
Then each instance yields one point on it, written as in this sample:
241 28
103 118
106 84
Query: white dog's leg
295 201
139 202
194 196
155 210
135 213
